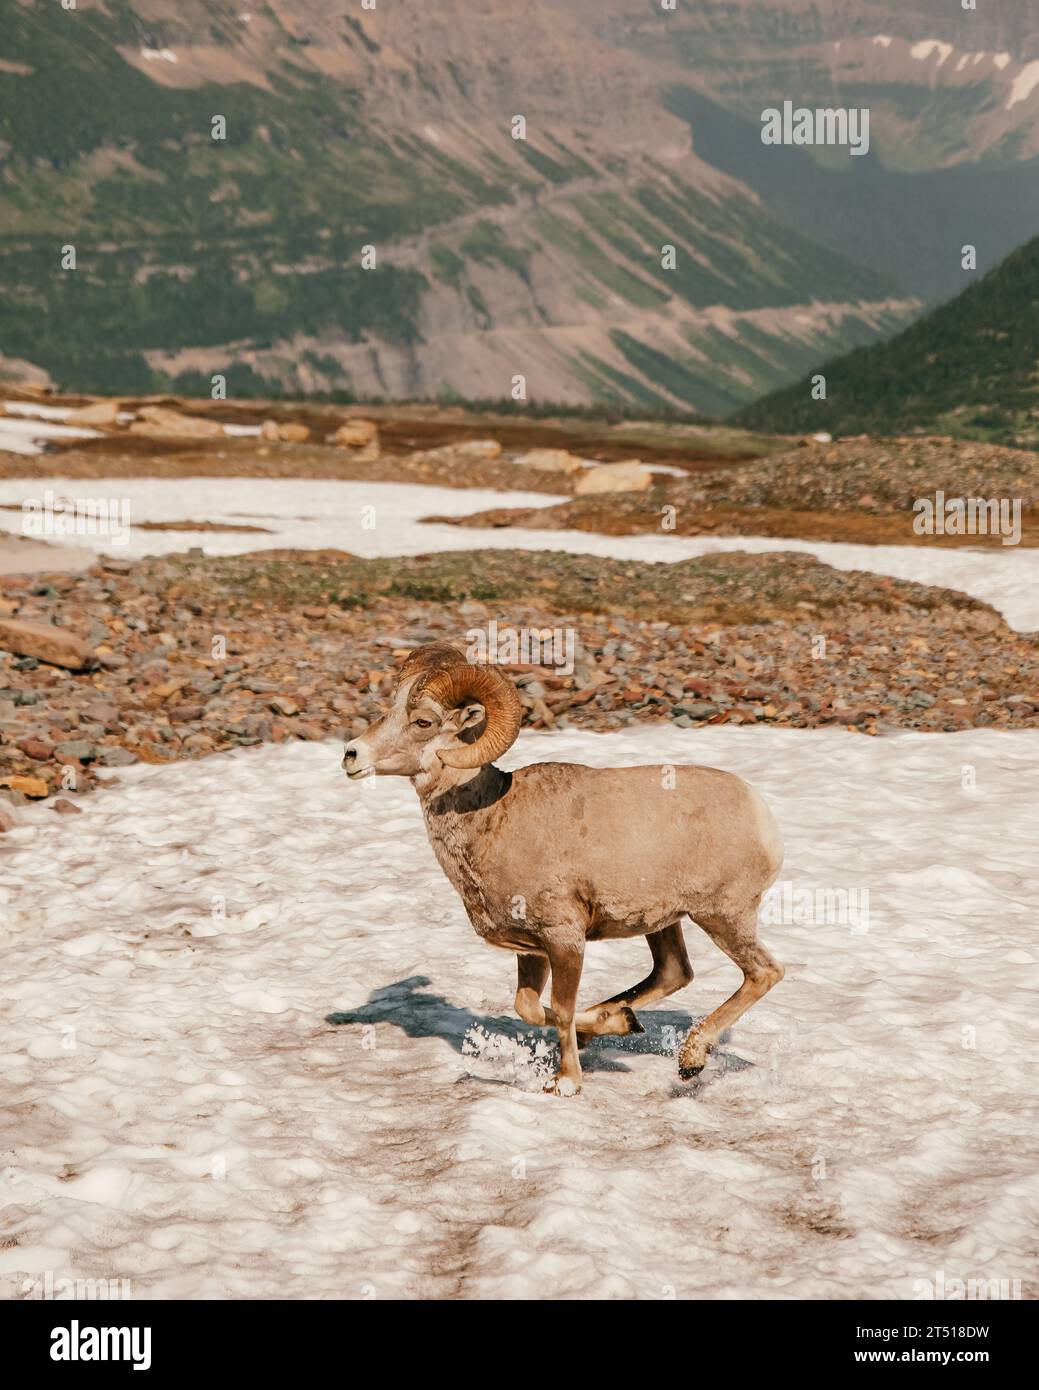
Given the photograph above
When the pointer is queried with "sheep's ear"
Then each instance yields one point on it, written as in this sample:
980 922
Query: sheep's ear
467 716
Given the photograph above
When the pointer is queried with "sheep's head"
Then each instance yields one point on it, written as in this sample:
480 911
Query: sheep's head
444 713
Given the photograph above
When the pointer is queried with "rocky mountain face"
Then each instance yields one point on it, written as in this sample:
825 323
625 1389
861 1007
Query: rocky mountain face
221 168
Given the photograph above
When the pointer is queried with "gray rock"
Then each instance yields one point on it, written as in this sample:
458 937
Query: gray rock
696 709
117 757
79 748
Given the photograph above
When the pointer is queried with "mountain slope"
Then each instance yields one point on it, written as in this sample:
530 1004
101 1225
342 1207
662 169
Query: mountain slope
495 257
970 368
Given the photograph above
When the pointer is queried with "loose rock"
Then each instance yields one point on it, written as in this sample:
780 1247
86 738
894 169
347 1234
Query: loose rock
52 644
628 476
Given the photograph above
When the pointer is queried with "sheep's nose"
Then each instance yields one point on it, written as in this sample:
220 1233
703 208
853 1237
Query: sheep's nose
350 756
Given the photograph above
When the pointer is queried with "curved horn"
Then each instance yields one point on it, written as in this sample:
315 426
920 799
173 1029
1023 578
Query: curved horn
453 685
432 656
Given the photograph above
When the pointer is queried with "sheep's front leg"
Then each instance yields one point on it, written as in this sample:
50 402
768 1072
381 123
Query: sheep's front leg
566 958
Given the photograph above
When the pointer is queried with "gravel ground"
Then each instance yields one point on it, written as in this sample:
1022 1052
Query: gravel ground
858 490
195 654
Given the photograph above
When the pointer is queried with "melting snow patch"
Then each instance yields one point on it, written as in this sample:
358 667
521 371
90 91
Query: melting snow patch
32 410
336 1098
377 519
368 519
27 435
1024 83
923 50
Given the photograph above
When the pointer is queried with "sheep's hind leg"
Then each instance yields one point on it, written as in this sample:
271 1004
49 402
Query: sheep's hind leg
671 972
738 938
531 978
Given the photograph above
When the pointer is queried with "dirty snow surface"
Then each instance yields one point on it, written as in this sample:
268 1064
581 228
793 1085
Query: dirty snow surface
252 1048
27 435
378 519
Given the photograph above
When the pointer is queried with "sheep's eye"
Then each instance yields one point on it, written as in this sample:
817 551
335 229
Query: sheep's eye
424 723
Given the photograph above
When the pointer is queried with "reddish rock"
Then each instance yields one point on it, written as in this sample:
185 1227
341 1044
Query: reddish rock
37 748
184 714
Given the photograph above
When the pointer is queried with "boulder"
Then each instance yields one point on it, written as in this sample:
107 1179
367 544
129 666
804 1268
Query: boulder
97 413
552 461
356 434
628 476
286 433
157 422
55 645
479 449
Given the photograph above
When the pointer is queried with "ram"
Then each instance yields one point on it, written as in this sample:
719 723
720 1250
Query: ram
554 855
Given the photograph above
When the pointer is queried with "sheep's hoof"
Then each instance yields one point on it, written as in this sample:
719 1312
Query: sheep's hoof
692 1059
611 1023
562 1086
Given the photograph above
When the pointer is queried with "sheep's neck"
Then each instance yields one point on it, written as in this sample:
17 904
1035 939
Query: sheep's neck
466 791
456 821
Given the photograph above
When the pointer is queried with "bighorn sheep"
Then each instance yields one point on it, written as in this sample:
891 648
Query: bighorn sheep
557 854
